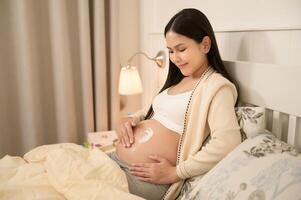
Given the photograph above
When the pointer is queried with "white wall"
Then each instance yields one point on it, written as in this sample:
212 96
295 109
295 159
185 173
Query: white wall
255 31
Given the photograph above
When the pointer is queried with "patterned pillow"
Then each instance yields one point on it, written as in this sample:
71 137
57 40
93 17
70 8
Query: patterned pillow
260 168
251 120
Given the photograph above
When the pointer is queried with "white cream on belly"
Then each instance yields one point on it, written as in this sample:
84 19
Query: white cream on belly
147 135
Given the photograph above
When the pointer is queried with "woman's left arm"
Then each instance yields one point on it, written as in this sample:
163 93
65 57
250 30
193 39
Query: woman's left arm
224 132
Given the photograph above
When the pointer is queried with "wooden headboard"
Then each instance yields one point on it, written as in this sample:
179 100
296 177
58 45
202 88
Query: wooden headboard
278 89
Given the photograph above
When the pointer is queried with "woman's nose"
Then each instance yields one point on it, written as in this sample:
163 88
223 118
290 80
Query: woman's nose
177 58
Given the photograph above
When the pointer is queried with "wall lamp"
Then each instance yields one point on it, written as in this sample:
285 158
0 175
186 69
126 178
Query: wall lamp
129 80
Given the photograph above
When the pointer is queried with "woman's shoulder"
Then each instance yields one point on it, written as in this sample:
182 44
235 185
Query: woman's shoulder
217 78
216 81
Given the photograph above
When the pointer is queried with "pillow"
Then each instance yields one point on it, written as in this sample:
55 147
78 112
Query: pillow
251 120
260 168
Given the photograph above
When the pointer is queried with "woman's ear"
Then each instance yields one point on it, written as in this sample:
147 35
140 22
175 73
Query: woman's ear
206 44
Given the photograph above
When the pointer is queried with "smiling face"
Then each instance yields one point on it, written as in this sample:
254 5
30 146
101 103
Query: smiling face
188 55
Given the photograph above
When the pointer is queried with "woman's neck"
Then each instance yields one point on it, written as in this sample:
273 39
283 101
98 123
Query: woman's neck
197 74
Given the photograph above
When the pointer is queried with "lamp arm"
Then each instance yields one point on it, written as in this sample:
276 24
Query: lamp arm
140 52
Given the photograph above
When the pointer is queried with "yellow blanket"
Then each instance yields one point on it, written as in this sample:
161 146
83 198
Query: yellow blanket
62 171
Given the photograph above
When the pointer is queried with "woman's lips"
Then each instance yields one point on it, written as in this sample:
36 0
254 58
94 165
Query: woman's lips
183 65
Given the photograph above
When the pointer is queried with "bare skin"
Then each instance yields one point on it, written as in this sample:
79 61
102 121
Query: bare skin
150 137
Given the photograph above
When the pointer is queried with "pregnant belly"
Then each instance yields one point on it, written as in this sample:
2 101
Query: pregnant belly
150 138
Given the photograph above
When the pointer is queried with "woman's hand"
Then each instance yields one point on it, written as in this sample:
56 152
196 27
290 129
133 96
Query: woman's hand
159 172
125 131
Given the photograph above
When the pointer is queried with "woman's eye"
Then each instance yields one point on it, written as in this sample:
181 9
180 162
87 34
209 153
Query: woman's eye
179 50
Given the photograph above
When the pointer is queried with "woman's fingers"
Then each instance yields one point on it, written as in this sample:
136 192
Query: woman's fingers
125 136
128 136
130 133
122 136
141 174
120 140
125 133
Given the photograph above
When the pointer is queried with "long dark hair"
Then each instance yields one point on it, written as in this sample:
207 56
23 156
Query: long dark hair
193 24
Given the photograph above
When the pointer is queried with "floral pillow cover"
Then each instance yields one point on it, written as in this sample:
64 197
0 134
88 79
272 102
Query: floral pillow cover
260 168
251 120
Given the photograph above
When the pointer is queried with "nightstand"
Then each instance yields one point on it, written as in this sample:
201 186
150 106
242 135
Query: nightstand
104 140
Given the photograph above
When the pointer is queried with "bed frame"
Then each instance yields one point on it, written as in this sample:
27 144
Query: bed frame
278 89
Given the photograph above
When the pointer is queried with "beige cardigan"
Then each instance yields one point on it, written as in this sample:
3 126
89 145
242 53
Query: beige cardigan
211 111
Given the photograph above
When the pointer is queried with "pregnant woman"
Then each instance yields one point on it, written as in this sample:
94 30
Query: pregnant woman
191 124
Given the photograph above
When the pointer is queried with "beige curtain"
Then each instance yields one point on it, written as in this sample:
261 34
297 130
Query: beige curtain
56 83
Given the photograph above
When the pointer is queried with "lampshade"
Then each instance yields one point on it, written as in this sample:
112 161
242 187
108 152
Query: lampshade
129 81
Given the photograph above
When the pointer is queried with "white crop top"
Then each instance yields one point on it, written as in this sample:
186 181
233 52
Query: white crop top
169 110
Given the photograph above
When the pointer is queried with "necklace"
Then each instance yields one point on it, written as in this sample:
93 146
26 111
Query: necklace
208 71
211 70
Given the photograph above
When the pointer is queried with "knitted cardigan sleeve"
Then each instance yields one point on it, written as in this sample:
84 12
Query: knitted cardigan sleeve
138 115
224 132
